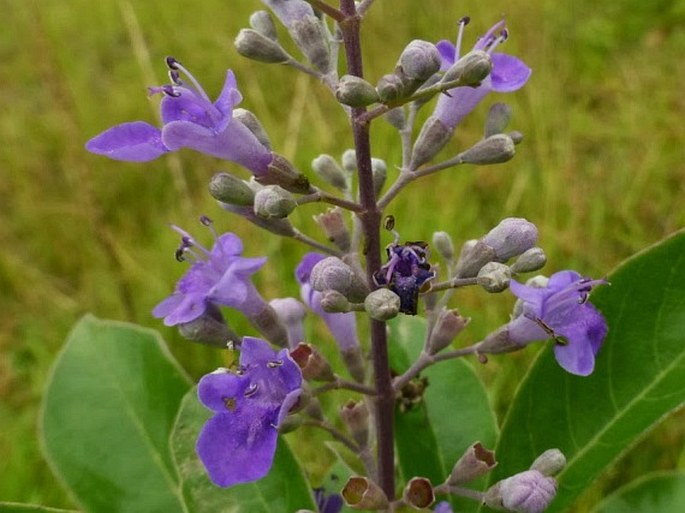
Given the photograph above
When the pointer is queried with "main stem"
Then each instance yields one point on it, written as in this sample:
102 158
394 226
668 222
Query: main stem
371 221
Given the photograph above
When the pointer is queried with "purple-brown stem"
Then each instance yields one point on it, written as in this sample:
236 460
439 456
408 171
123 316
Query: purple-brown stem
370 219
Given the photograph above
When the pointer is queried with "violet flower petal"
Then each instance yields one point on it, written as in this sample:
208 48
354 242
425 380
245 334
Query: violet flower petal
136 141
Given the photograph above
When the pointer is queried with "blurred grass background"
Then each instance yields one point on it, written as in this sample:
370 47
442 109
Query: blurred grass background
601 170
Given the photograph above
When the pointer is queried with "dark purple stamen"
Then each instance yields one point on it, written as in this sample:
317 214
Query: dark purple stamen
170 91
251 390
205 221
171 62
274 363
465 20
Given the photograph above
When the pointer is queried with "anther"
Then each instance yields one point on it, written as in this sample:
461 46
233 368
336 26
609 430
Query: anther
274 363
465 20
170 91
171 62
205 220
251 390
178 254
175 76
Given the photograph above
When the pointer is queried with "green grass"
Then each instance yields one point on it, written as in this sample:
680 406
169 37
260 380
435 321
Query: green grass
600 171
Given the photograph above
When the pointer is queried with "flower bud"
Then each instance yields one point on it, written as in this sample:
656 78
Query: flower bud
382 304
256 46
442 242
474 255
248 119
291 314
229 189
475 462
498 118
333 301
395 117
310 36
526 492
327 168
516 136
448 325
549 463
419 60
355 91
496 149
282 172
499 341
333 273
390 87
210 329
511 237
494 277
379 169
262 22
355 415
432 138
334 227
312 363
530 260
419 493
362 493
349 161
273 202
471 69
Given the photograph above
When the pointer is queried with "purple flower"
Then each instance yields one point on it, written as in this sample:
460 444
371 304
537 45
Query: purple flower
561 311
237 445
443 507
405 273
190 120
508 74
220 276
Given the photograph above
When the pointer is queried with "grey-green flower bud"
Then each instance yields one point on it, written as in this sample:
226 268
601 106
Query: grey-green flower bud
496 149
282 172
333 273
494 277
516 136
349 161
333 301
256 46
442 242
210 328
262 22
273 202
432 138
530 260
230 189
248 119
267 322
498 118
382 304
550 462
328 168
355 92
471 69
379 170
474 255
419 60
390 87
310 36
511 237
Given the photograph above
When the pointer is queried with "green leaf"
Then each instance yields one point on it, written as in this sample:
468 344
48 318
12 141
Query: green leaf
637 381
283 489
656 492
454 414
107 415
12 507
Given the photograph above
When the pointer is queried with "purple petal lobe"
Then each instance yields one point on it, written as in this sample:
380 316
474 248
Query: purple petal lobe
133 142
447 54
229 97
508 73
